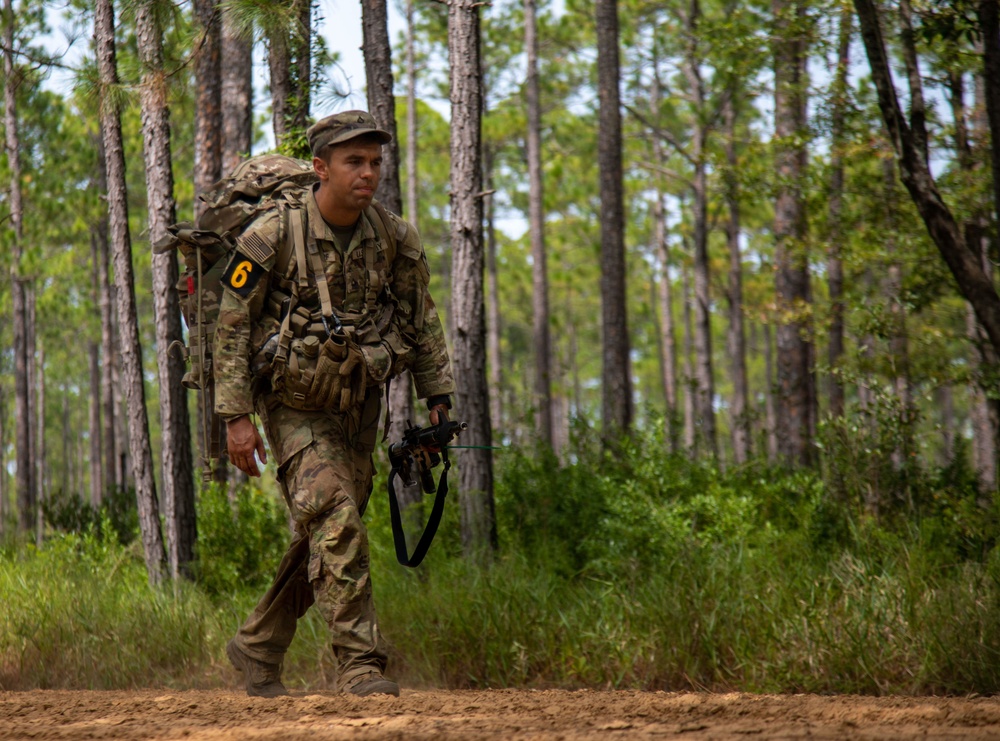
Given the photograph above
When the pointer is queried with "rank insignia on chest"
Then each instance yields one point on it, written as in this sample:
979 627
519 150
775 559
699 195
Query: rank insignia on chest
242 275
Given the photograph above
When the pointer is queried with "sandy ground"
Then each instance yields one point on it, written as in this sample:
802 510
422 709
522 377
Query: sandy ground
219 715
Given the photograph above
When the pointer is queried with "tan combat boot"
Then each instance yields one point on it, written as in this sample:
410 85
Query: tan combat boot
372 683
262 680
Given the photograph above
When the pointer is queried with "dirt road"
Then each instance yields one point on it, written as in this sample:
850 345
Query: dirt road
218 715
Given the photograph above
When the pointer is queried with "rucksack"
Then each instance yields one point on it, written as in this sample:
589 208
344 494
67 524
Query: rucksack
257 185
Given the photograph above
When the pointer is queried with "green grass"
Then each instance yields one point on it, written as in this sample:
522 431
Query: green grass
644 571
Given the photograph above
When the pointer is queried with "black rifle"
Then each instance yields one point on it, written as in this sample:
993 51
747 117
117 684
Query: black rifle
420 450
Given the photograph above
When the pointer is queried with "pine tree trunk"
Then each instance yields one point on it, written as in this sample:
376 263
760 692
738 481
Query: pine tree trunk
67 433
667 343
536 228
94 354
207 171
411 117
237 95
109 412
740 416
479 531
835 232
208 103
24 480
175 424
616 376
494 323
301 45
279 63
382 106
40 461
790 226
989 22
973 283
401 394
705 438
131 350
770 400
381 101
690 409
32 335
4 503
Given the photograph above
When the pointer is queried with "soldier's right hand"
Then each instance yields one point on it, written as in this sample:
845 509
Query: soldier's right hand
242 441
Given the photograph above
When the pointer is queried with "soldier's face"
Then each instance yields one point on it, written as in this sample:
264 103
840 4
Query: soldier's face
350 174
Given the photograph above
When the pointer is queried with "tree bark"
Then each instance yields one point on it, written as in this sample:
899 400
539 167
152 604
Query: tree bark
835 231
279 63
236 95
705 438
175 425
494 324
667 343
401 394
989 23
4 503
109 412
40 453
381 101
536 229
690 407
131 350
740 418
31 305
94 356
24 477
770 400
121 463
916 176
479 532
382 105
616 376
918 109
892 289
208 171
790 227
301 44
208 103
411 116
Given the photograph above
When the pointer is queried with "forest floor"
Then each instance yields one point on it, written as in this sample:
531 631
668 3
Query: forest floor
219 715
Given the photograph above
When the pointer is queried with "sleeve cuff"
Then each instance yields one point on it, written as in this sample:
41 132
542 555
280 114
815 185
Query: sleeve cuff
439 400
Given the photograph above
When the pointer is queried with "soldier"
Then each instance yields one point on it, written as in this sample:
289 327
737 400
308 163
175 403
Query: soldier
309 347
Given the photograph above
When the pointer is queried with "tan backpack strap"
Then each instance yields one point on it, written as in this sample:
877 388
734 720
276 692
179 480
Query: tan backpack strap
285 333
298 236
287 243
319 272
382 225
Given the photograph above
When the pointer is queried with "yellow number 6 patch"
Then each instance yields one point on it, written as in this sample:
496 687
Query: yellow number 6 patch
242 275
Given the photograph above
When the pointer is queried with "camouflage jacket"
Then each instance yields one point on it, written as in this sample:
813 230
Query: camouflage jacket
386 307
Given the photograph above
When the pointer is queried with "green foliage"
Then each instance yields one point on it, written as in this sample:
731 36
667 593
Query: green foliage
633 570
80 613
241 538
69 513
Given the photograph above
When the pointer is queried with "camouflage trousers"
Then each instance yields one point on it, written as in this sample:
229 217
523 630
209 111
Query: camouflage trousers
326 483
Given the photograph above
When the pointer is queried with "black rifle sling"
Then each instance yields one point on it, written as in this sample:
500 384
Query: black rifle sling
430 529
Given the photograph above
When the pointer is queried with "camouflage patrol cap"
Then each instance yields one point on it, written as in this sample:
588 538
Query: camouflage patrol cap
342 127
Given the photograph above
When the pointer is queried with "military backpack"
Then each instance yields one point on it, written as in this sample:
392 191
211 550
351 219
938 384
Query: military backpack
258 185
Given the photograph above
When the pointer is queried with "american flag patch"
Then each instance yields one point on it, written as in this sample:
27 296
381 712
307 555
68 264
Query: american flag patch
253 246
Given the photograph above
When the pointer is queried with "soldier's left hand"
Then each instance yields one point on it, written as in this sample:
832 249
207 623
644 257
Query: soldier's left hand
439 414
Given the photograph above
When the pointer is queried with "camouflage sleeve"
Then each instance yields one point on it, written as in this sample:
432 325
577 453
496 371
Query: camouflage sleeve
245 287
424 351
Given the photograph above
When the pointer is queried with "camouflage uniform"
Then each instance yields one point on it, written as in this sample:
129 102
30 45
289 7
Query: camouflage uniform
323 455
